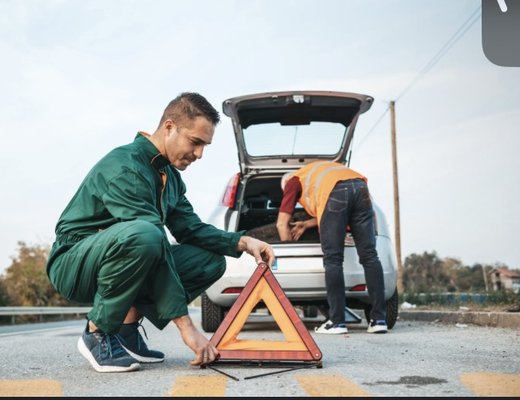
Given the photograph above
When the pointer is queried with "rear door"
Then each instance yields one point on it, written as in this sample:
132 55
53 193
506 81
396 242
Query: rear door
285 130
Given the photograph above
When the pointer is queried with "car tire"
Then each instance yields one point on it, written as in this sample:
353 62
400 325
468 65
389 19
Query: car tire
211 314
392 310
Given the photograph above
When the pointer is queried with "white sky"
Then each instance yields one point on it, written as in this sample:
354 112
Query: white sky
81 77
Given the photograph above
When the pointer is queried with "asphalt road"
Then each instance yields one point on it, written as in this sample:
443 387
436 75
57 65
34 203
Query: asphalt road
416 358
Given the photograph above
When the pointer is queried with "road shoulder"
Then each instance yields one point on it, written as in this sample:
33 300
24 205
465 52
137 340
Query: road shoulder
481 318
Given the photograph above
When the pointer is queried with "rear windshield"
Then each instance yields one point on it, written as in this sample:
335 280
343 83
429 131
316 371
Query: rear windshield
319 138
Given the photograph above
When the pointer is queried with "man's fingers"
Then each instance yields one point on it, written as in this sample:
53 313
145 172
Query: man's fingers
269 255
261 251
258 257
201 357
214 356
197 360
201 360
207 356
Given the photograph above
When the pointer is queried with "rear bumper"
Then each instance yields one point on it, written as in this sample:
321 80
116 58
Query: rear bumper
302 277
300 289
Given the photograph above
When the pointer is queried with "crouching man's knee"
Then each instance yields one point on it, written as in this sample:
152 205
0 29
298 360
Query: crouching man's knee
142 240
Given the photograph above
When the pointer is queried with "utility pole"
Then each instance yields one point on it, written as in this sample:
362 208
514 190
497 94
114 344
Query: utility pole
485 278
400 287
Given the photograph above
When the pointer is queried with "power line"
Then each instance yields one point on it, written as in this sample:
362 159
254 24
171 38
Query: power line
475 15
447 46
373 127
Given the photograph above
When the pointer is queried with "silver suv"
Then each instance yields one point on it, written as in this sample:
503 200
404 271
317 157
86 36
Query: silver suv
276 133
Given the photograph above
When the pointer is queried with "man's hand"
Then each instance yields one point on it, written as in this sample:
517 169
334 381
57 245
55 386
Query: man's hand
261 251
299 227
205 351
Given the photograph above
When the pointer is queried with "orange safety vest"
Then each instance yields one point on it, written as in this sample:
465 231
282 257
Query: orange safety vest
318 178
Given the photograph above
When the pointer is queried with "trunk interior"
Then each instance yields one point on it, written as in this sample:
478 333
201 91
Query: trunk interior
257 204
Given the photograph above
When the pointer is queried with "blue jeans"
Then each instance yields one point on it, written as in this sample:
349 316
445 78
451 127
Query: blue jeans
349 204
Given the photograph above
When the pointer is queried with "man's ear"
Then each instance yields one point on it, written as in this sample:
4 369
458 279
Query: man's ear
170 126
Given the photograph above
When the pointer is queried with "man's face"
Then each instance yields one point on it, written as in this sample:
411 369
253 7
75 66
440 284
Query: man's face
185 142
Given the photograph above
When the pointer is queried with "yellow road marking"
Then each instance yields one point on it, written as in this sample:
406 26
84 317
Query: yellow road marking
492 384
30 387
481 384
332 385
199 386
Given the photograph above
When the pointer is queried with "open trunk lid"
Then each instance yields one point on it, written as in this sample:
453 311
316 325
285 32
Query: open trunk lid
284 130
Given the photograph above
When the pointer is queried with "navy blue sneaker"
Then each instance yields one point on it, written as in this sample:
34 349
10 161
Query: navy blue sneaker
105 352
377 327
135 345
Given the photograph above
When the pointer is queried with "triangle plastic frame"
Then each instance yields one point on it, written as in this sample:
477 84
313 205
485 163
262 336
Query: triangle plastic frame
263 286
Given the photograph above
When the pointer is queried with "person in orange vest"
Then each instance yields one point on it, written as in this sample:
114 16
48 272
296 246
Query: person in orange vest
336 196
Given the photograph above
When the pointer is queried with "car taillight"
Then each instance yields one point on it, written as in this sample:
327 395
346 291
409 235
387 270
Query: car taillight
228 199
359 288
232 290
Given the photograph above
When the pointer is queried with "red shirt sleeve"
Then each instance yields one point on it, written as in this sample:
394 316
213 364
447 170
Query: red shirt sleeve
291 194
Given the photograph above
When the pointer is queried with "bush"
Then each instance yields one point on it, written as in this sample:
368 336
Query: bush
25 282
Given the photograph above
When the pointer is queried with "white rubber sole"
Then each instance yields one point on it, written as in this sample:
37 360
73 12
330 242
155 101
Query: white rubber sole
141 359
377 329
331 331
85 352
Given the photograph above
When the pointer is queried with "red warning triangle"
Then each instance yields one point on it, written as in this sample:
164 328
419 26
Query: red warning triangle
263 286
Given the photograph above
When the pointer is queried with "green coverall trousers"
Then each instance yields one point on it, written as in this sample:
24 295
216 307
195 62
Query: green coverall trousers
133 264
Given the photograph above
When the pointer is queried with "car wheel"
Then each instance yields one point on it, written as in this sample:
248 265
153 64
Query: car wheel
392 310
310 311
211 314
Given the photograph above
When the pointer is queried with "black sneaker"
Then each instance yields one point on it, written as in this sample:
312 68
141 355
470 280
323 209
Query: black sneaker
135 345
377 327
105 353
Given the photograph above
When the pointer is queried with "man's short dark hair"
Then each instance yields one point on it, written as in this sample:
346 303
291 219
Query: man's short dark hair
188 106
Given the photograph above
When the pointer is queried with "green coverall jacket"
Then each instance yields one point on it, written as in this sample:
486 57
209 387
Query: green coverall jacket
111 247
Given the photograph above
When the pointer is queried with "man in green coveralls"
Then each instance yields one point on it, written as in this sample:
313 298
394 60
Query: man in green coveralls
111 247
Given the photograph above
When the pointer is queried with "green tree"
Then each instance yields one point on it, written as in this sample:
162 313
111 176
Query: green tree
3 293
26 283
448 275
428 273
472 278
419 272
